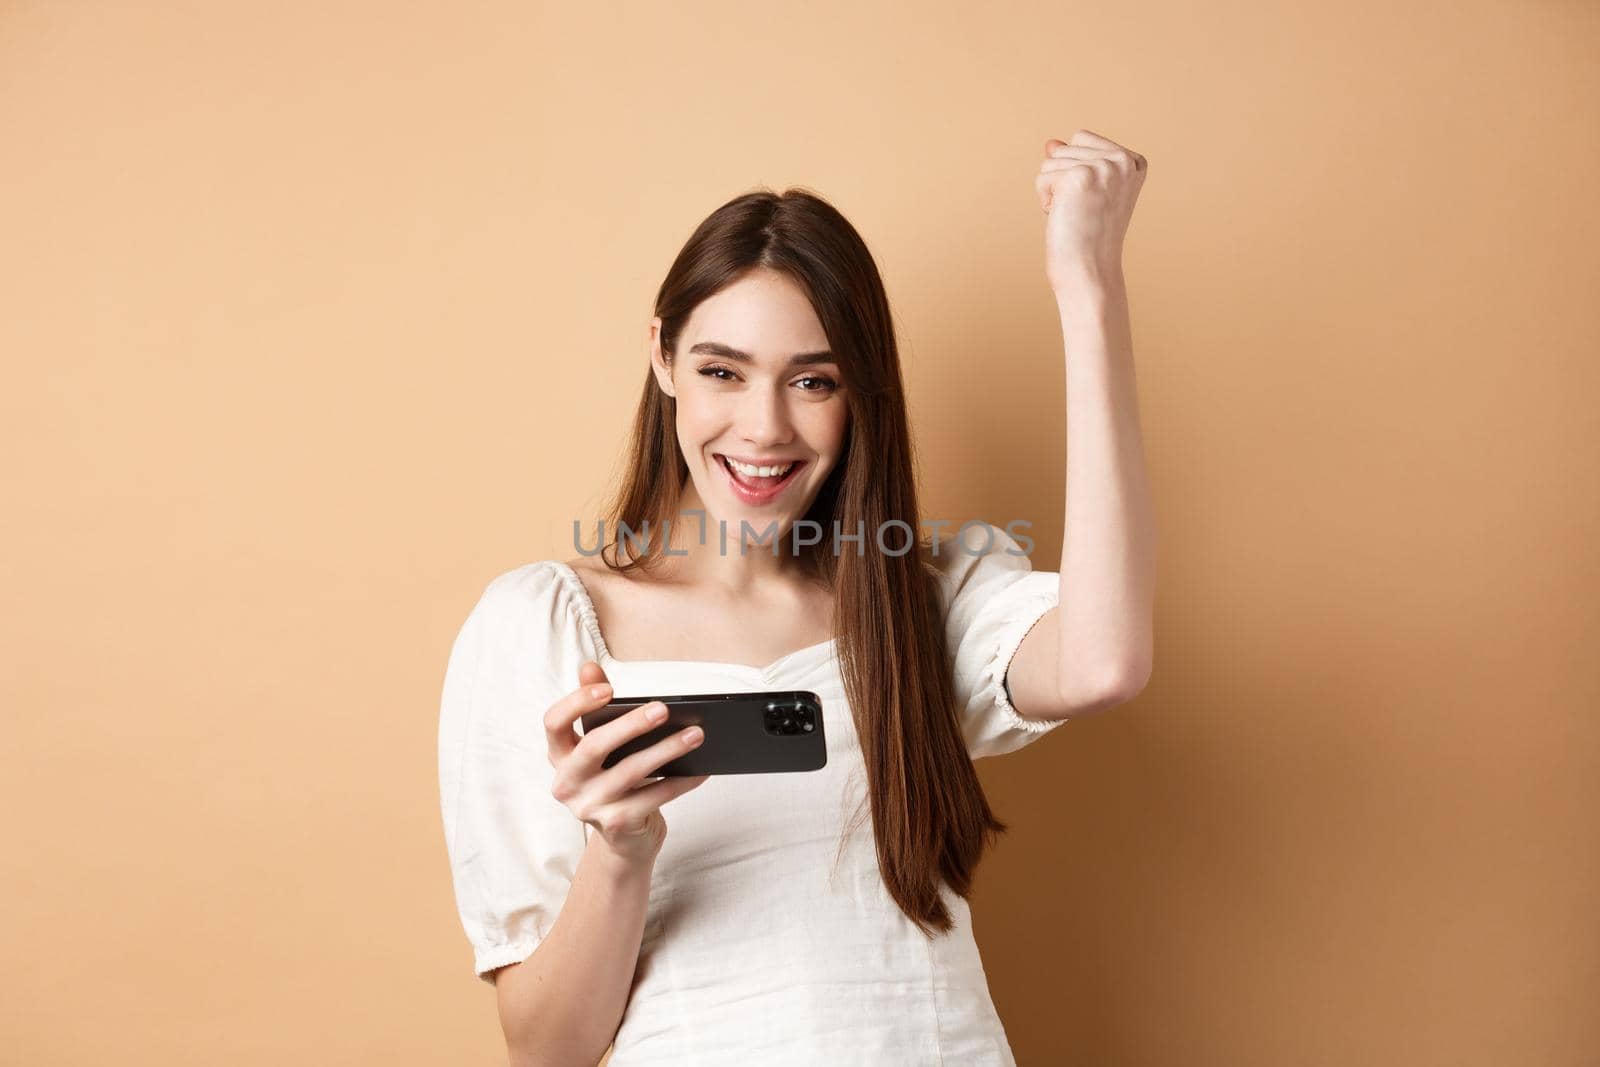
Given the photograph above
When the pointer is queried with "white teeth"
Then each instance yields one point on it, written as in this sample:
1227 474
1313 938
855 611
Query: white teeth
757 472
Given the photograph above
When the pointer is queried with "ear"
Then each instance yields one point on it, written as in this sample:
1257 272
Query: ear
658 362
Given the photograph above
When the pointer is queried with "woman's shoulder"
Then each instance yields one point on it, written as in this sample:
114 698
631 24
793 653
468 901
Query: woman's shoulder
540 605
544 593
976 549
537 580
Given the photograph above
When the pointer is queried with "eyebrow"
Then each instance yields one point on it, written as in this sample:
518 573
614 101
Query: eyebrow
717 348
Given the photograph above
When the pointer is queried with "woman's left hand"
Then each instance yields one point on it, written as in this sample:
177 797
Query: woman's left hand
1087 186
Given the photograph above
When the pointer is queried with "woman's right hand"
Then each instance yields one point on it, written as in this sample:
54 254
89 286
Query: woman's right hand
614 799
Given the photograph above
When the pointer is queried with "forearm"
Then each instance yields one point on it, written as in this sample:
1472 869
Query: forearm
563 1004
1109 540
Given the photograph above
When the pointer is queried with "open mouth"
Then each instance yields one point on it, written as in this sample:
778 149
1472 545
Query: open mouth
757 489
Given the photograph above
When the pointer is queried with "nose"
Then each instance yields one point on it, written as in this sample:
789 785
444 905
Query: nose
764 420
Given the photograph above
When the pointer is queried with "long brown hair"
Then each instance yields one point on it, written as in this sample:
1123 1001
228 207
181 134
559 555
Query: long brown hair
929 812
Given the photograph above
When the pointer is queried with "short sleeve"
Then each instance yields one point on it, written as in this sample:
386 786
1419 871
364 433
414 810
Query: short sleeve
993 597
514 849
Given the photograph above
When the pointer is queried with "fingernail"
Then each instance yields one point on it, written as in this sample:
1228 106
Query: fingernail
656 713
692 734
598 691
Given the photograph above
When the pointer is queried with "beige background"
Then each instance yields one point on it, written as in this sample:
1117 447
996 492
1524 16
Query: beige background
319 316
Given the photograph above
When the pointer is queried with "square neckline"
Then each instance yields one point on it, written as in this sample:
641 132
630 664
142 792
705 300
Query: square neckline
591 620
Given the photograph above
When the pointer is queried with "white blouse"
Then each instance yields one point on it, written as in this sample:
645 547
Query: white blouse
764 942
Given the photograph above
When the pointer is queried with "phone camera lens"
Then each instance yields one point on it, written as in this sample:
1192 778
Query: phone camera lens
792 717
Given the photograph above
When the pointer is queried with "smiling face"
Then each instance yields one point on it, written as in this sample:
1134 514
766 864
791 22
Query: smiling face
755 384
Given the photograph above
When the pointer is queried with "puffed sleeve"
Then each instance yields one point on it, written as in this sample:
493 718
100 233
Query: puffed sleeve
513 847
992 600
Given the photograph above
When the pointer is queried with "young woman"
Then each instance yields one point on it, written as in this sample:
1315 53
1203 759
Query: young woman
775 925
